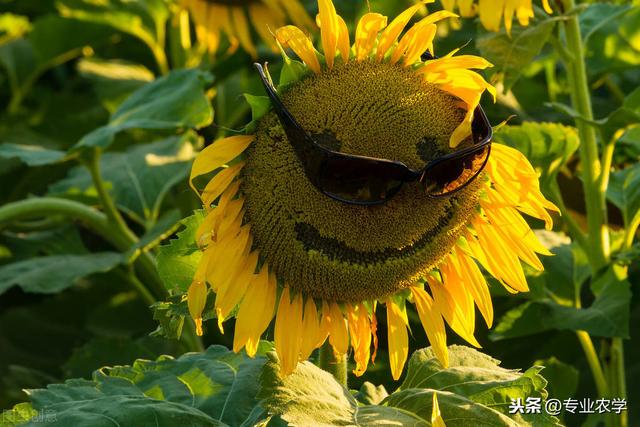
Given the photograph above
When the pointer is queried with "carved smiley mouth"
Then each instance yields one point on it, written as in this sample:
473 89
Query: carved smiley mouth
336 250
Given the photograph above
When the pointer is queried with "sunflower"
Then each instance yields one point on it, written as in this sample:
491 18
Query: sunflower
275 246
235 18
492 12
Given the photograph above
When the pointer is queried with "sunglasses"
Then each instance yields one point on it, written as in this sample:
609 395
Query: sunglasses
367 181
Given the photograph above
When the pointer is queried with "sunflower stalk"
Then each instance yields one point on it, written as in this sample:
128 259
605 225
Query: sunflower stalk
336 365
595 178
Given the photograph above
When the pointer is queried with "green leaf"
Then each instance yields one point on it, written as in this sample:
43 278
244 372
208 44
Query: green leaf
624 192
598 15
177 260
140 178
615 46
121 411
548 146
145 20
292 71
608 316
510 55
20 414
176 101
562 378
213 388
32 155
370 394
55 273
457 411
475 376
474 390
114 80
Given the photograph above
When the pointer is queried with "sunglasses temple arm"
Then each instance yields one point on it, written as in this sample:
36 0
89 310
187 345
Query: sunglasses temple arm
294 131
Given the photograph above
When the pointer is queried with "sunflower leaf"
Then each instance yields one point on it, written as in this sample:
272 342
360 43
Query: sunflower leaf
624 192
142 19
473 390
548 146
175 101
178 259
52 274
140 177
510 54
608 316
212 388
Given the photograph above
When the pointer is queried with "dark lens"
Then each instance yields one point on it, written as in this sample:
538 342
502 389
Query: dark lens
359 181
452 174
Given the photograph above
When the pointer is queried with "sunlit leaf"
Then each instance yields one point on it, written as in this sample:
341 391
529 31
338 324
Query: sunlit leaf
140 177
177 260
114 80
176 101
548 146
32 155
54 273
608 316
511 54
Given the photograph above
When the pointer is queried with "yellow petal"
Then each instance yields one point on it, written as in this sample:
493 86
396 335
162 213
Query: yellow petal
432 323
547 6
288 331
241 27
374 334
256 312
217 154
313 335
391 33
436 416
329 30
344 45
292 37
219 183
413 44
457 313
196 300
398 339
471 279
490 12
226 301
338 329
360 333
366 32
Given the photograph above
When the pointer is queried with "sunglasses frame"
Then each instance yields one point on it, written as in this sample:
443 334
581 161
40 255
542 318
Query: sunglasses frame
314 156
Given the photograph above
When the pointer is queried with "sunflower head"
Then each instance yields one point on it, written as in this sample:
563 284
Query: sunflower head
274 245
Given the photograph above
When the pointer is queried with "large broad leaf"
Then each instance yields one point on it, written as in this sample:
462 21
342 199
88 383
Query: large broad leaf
32 155
51 41
598 15
139 177
213 388
55 273
178 259
474 390
142 19
176 101
624 192
548 146
615 45
510 55
114 80
608 316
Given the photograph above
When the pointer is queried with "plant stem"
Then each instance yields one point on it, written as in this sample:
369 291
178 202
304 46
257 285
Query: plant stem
336 366
591 167
594 363
48 206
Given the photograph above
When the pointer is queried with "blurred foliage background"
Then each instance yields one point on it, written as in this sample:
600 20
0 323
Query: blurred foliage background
80 77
